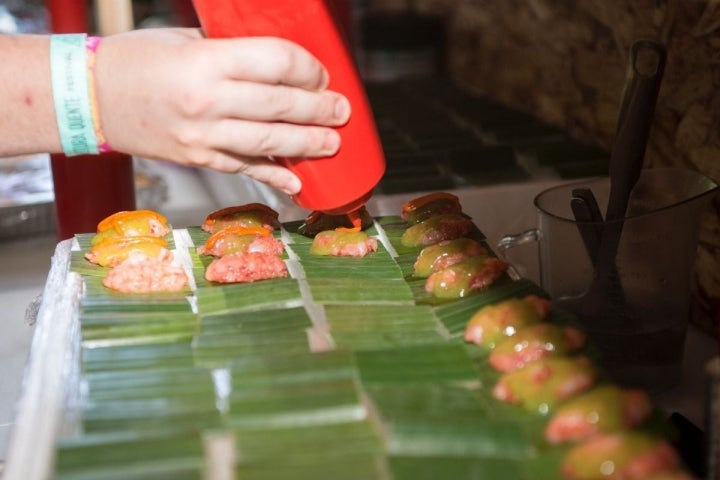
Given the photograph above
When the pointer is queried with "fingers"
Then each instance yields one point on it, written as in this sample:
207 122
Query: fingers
262 102
260 139
262 169
271 60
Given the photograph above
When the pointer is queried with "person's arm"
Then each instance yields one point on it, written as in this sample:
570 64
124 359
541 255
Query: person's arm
27 114
171 94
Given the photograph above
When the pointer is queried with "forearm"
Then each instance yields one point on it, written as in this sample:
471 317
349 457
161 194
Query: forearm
27 123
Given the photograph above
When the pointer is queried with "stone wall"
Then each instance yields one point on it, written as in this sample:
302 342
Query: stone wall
565 62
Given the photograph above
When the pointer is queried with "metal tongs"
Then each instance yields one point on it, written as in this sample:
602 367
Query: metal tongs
602 236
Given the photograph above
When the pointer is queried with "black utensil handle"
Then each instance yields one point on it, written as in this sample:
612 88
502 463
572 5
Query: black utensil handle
589 220
646 68
628 151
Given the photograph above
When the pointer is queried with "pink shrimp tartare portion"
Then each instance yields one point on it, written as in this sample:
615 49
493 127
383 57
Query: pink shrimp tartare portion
143 274
246 267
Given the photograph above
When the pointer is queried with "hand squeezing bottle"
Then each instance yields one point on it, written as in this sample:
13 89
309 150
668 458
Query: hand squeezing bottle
344 182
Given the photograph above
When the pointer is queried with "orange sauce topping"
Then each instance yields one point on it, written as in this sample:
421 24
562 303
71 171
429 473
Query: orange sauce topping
117 220
234 230
355 220
416 203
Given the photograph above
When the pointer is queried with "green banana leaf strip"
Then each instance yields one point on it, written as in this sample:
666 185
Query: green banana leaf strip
308 444
101 320
394 227
455 315
137 357
429 400
156 383
456 468
545 466
406 262
419 405
419 415
197 235
294 390
373 318
459 437
151 414
106 329
267 371
97 298
217 349
427 363
343 450
351 467
198 273
373 327
246 296
128 457
310 403
374 340
141 339
360 291
376 265
290 319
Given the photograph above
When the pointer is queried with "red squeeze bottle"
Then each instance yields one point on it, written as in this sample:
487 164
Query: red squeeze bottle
344 182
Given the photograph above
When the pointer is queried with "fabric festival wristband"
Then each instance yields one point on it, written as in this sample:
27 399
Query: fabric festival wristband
68 67
91 45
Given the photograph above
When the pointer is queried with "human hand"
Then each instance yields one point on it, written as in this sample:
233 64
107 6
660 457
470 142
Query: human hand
226 104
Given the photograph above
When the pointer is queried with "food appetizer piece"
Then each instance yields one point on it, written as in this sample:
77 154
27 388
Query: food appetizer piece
625 455
245 267
131 223
534 342
492 323
141 273
343 243
435 229
604 409
111 251
542 385
318 222
443 254
238 239
461 279
250 215
422 208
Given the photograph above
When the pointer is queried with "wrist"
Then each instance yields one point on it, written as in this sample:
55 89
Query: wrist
72 61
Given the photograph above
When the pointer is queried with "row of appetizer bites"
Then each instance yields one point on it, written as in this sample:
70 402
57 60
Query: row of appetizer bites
542 370
541 364
133 245
245 249
453 264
